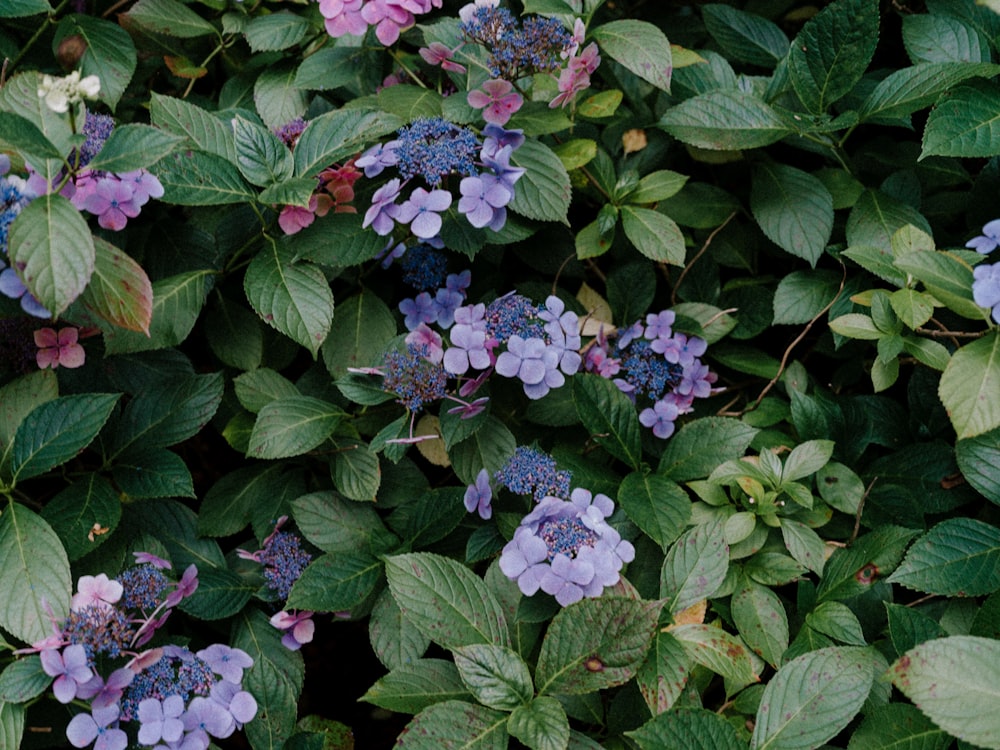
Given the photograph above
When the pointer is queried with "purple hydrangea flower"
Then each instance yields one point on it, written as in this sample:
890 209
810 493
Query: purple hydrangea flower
661 418
70 669
86 728
110 692
479 495
419 310
424 338
421 211
679 349
483 201
11 286
566 548
205 717
658 325
696 382
534 362
226 661
160 720
299 628
496 137
630 334
144 186
986 287
468 349
240 704
383 209
113 202
377 158
987 242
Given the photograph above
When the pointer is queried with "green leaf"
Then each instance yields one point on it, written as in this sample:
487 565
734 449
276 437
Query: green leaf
277 31
832 52
969 386
23 680
913 308
964 123
220 594
719 651
541 724
455 724
907 90
262 159
409 102
275 679
294 298
654 235
639 46
793 208
664 674
119 290
34 575
296 191
851 571
57 431
257 388
877 261
898 726
909 627
22 134
958 557
837 621
812 698
932 37
806 459
20 96
744 36
176 526
856 326
413 687
761 620
292 426
954 682
108 54
235 334
50 246
948 278
356 471
725 121
802 295
134 146
275 96
695 566
153 472
169 415
171 18
203 130
840 487
336 581
658 506
336 240
657 186
20 397
595 644
599 106
332 67
89 503
361 331
978 459
194 178
445 600
177 301
395 642
609 416
700 446
12 717
228 505
488 448
543 192
690 728
876 217
495 675
19 9
335 135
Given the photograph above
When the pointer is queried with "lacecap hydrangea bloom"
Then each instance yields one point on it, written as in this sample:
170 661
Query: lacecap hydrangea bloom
566 548
986 277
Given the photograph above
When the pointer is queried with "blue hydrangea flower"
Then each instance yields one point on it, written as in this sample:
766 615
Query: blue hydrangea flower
420 309
97 128
534 362
987 242
423 267
377 158
433 148
204 718
142 587
986 287
225 661
422 211
70 667
160 720
483 201
510 315
383 210
97 727
284 560
479 495
660 418
566 548
530 471
515 49
415 380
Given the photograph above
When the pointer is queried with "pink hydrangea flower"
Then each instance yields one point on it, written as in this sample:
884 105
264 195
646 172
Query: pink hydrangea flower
299 628
55 349
113 202
497 100
439 54
293 219
96 591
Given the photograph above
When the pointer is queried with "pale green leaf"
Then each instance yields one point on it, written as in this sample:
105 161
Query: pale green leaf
455 724
726 121
543 192
171 18
719 651
654 234
639 46
292 426
109 53
203 130
969 386
695 566
957 557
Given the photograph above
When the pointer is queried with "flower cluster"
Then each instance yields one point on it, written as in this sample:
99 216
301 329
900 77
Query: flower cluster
177 698
433 149
655 365
986 277
389 17
516 49
284 559
58 349
566 548
531 472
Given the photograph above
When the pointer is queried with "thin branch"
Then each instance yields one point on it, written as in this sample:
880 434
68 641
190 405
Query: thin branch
673 294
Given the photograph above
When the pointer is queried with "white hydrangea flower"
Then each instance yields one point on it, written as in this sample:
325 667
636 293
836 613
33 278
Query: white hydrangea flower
59 93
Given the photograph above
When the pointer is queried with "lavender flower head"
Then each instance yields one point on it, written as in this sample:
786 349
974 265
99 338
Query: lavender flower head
530 471
987 242
479 495
566 548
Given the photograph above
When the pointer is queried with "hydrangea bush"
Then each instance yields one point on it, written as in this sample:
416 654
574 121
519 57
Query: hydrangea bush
533 373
